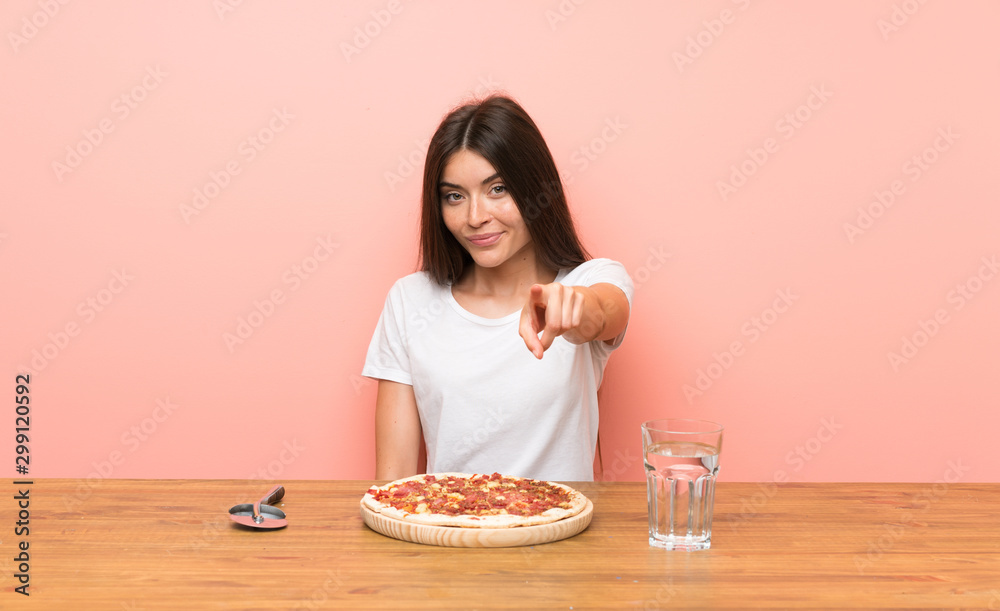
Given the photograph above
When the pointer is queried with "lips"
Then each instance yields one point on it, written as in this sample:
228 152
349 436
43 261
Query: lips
484 239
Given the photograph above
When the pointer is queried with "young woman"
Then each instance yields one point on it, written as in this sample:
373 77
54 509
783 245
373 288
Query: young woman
492 354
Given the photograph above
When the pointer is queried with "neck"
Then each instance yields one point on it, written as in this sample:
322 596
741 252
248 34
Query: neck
511 278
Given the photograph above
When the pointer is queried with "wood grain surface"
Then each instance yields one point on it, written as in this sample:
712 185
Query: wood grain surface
169 544
478 537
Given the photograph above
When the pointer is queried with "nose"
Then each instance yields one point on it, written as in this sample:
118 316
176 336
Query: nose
479 213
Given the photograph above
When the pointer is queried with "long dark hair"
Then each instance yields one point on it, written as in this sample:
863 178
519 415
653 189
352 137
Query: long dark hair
502 132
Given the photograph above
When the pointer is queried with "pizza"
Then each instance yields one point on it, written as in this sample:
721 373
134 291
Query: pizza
474 500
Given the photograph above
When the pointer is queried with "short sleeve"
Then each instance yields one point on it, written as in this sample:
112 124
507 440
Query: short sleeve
388 357
599 271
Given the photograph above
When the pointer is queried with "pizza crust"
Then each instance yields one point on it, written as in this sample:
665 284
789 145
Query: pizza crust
577 503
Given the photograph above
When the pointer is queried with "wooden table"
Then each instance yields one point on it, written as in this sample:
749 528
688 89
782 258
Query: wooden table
169 544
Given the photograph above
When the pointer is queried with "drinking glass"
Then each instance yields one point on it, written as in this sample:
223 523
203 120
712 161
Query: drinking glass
682 460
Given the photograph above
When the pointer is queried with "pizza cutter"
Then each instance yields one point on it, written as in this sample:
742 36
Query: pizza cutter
261 514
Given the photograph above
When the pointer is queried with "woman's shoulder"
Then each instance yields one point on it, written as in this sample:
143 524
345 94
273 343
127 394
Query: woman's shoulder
601 269
417 286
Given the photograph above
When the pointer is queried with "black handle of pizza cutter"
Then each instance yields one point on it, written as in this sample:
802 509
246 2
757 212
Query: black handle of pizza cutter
270 498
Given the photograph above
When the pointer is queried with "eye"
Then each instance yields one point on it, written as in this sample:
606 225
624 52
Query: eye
451 197
498 189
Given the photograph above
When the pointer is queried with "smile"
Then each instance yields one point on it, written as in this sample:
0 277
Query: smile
485 239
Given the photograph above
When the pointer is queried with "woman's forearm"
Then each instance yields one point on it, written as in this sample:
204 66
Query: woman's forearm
397 431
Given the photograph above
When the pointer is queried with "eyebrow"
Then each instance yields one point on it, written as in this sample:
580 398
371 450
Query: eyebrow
454 186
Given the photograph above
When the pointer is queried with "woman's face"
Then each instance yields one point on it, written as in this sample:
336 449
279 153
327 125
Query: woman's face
479 211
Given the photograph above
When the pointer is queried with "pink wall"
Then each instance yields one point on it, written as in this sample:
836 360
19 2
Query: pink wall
757 304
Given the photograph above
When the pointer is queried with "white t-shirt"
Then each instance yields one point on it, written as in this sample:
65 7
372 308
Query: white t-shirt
486 403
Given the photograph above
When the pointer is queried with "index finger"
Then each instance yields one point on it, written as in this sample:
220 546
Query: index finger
528 333
537 304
